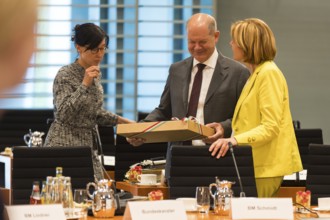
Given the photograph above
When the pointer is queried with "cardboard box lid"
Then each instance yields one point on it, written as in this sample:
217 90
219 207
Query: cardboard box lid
165 131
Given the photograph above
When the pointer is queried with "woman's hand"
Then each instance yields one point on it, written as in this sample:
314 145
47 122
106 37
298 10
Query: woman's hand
220 147
122 120
91 73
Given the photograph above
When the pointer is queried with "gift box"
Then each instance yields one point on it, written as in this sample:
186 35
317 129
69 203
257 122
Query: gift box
165 131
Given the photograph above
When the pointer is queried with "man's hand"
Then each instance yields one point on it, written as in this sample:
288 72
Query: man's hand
135 141
219 132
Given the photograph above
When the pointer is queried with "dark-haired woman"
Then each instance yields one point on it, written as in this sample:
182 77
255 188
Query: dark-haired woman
78 96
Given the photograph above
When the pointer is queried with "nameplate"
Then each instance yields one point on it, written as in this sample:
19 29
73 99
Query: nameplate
302 175
151 210
262 208
108 160
324 203
35 212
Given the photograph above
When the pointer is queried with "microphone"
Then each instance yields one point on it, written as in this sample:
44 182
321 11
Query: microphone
120 196
99 143
242 193
100 151
150 162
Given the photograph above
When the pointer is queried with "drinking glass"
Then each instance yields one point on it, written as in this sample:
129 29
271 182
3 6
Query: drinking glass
203 199
80 196
80 202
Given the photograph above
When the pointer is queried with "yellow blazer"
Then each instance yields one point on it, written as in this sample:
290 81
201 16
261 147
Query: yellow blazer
262 119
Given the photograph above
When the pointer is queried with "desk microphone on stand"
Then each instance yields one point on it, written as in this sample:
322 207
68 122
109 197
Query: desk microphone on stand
242 193
100 149
99 143
120 196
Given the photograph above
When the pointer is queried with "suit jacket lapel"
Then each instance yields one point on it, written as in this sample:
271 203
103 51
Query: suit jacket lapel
246 90
217 78
185 90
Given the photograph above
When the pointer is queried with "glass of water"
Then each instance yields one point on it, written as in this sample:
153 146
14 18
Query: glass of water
80 203
203 199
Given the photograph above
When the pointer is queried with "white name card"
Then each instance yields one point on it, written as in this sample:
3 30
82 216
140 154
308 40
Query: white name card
35 212
262 208
324 203
151 210
302 176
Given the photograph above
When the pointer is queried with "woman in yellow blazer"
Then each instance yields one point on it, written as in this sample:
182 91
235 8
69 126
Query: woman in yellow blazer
262 116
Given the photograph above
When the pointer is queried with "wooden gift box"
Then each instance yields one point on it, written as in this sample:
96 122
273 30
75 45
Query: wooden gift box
165 131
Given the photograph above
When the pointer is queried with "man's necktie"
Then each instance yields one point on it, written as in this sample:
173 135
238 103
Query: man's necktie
195 91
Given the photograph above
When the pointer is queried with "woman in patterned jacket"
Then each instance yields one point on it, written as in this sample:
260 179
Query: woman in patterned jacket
78 96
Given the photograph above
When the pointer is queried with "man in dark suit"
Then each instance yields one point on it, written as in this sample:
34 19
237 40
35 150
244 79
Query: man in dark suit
222 83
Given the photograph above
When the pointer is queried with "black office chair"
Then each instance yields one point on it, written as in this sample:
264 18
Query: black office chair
306 137
192 166
318 174
296 124
106 142
107 145
15 123
35 164
127 155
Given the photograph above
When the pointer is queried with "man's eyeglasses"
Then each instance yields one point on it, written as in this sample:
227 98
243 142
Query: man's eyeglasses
97 50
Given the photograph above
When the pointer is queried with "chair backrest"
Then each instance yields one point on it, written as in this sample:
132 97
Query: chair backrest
35 164
306 137
192 166
14 124
318 174
108 143
127 155
296 124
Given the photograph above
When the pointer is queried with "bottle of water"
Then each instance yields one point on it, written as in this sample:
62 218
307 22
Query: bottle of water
43 192
59 171
54 191
46 193
67 198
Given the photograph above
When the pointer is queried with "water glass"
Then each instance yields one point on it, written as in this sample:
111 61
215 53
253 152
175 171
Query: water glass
80 202
80 196
203 199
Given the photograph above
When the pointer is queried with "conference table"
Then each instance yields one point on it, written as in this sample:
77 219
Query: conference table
210 216
143 191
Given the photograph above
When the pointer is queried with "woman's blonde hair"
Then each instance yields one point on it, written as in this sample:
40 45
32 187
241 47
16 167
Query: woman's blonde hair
15 15
256 40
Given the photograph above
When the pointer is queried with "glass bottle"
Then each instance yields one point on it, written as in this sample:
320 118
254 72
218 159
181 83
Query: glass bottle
35 195
54 191
48 190
67 197
67 193
60 185
59 171
43 193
